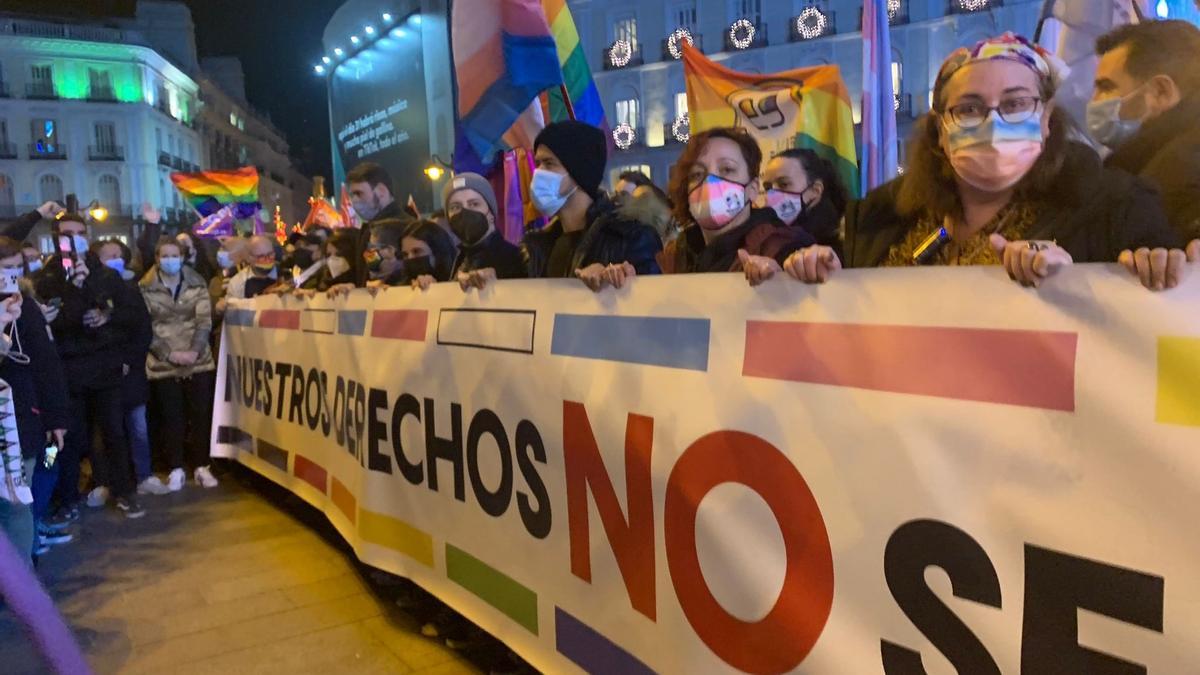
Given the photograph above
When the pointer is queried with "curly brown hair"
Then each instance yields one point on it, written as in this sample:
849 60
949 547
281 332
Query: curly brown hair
678 188
928 187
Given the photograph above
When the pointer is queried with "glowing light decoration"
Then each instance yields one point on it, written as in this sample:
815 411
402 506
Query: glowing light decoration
354 39
741 34
624 136
387 17
675 42
620 53
896 106
369 30
337 51
973 5
326 60
681 128
320 69
1162 10
812 23
893 9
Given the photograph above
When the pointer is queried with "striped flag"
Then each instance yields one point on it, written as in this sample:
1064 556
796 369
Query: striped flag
577 75
504 57
208 191
878 99
801 108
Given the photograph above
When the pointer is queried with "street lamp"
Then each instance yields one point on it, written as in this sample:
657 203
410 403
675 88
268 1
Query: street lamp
437 168
97 212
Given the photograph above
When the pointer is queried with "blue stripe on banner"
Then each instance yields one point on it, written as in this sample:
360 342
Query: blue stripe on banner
648 340
590 650
353 322
240 317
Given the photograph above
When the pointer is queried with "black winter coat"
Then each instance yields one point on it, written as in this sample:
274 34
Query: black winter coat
1166 153
495 252
135 389
613 237
1097 214
20 228
39 387
93 358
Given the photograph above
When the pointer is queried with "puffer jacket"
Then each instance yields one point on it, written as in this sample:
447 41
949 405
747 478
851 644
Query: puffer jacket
182 319
612 237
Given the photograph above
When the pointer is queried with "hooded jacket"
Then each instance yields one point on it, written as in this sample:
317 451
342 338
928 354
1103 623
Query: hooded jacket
182 321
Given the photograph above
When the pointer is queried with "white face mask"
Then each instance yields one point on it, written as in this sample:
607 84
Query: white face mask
1105 124
545 189
337 265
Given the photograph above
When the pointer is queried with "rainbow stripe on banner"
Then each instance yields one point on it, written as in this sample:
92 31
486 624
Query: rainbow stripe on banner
577 75
801 108
208 191
504 57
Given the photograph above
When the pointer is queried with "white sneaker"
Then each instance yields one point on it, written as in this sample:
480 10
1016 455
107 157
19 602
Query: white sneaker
98 497
204 477
153 486
175 480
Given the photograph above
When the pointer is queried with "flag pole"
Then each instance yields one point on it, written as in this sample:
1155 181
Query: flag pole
562 88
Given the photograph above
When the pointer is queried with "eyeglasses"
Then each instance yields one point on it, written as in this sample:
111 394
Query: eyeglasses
1012 110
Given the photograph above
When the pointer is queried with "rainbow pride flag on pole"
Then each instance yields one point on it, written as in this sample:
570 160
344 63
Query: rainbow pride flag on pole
504 58
208 191
801 108
577 75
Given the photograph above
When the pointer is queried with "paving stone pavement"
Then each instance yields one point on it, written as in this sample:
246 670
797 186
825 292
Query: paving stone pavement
223 581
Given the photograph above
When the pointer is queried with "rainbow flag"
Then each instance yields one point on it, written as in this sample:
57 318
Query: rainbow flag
504 57
208 191
801 108
577 75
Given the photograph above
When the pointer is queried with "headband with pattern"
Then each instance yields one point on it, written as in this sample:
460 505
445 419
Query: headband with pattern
1006 47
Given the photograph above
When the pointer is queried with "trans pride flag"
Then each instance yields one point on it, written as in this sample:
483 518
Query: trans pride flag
504 58
208 191
801 108
878 102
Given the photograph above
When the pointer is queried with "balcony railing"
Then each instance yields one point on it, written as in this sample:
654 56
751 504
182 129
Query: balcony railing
759 39
669 133
8 150
635 59
697 42
106 153
41 91
177 163
904 105
4 93
813 25
42 151
102 94
164 159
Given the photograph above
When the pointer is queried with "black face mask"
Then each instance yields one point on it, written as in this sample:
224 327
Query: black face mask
302 258
469 226
415 267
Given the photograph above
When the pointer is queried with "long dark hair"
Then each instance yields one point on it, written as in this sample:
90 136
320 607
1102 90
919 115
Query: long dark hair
820 169
347 244
439 243
678 186
928 186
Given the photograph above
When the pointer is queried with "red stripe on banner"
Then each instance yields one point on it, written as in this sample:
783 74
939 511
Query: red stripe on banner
310 472
1015 367
344 499
288 319
400 324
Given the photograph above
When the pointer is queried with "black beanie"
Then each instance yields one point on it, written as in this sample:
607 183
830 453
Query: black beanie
581 148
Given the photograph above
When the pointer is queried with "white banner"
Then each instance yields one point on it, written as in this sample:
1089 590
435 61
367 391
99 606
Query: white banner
901 469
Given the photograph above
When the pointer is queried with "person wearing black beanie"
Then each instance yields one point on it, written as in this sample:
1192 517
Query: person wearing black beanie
588 236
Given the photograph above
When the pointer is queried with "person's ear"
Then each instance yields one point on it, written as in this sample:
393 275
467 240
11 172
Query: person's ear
818 191
1162 94
381 193
753 191
1051 105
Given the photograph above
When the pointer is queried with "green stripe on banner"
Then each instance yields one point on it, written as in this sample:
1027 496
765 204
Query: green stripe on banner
845 168
493 587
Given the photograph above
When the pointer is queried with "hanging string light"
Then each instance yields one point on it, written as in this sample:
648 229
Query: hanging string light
681 128
741 34
811 23
624 136
620 54
973 5
675 42
893 7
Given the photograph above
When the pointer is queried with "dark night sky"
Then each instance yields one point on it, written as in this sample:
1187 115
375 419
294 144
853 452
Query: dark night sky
278 43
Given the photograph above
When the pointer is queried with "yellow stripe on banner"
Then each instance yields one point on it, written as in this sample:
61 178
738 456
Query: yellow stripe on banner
1178 381
397 535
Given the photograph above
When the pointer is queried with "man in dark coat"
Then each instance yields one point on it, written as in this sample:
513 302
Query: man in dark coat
484 254
588 235
1146 108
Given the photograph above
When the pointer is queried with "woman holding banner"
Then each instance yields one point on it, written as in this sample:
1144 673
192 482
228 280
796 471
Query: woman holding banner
714 186
995 177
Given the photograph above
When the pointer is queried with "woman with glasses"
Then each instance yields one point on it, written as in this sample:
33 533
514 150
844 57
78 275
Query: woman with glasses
995 176
714 186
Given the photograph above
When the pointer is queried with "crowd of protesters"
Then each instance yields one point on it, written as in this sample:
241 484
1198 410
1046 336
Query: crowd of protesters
103 343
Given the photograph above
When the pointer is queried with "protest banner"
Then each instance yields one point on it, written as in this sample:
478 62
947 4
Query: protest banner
900 469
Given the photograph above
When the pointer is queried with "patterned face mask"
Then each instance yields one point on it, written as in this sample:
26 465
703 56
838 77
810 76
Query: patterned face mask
716 202
787 205
995 155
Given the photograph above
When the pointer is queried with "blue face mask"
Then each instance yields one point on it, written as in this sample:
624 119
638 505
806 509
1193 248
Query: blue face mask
170 266
34 265
117 265
545 189
1105 125
224 260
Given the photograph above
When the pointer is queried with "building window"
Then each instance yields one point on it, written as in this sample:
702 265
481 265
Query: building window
158 139
897 72
625 28
110 192
627 112
106 137
681 108
50 188
683 15
8 203
746 9
41 82
44 133
100 85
